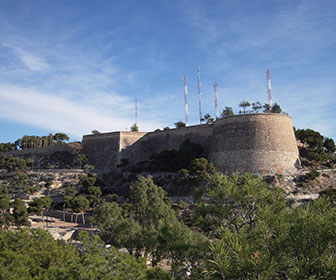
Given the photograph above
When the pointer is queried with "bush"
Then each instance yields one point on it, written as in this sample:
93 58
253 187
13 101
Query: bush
316 146
62 159
312 175
12 163
81 160
157 273
36 255
33 189
48 184
330 194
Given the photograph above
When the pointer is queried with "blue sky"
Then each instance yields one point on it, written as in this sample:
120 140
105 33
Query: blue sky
74 66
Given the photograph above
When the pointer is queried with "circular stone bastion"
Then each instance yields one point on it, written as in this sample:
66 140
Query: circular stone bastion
262 143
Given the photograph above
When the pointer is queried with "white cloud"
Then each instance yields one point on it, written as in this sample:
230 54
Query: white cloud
56 113
79 83
32 62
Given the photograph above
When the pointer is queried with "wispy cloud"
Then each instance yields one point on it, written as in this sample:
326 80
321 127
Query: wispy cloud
49 111
70 57
295 39
75 91
32 62
292 32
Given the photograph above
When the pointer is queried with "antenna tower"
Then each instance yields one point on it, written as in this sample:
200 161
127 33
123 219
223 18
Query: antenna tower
136 111
199 92
269 88
186 100
216 100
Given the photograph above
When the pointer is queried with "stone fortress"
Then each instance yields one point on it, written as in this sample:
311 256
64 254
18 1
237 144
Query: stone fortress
262 143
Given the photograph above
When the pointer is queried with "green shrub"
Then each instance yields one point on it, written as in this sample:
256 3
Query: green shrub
12 163
312 175
33 189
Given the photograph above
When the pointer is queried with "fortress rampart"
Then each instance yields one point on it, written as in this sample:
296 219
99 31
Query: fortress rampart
255 143
104 149
155 142
44 151
262 142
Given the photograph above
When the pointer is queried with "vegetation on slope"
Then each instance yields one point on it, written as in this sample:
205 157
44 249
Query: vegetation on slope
171 160
241 229
28 142
31 254
316 150
237 228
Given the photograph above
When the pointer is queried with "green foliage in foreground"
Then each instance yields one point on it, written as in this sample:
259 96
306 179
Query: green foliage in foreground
256 236
18 216
241 229
148 226
302 246
31 254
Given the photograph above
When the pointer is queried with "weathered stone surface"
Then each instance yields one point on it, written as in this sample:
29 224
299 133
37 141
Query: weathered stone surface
103 149
255 142
42 151
155 142
252 142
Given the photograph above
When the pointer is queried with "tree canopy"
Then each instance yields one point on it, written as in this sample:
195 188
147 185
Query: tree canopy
227 112
276 108
316 146
329 145
32 141
244 104
135 128
256 106
59 137
95 131
20 213
12 163
31 254
208 119
179 124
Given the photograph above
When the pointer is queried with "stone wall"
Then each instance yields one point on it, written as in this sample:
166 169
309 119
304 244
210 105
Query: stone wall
106 150
256 143
155 142
45 150
251 142
128 138
103 149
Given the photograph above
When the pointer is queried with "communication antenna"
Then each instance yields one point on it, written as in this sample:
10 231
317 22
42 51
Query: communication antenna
269 88
186 100
136 111
199 92
216 100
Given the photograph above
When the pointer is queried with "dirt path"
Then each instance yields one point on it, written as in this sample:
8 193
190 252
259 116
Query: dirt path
57 227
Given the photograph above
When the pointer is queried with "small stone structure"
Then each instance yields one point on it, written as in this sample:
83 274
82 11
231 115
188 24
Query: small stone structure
262 143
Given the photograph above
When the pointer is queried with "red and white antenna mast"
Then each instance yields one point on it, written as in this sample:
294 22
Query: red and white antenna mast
216 100
199 91
269 88
136 110
186 100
